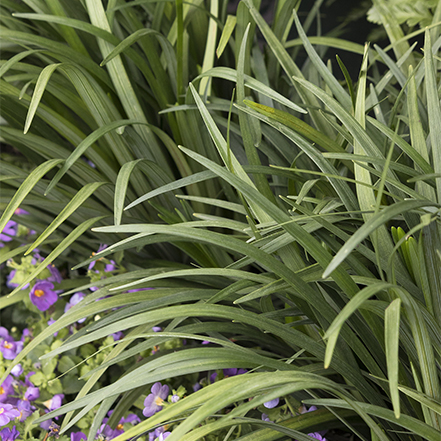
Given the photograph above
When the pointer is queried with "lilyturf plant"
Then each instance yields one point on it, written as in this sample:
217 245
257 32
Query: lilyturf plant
263 229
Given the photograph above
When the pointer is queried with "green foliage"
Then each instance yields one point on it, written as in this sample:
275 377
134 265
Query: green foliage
297 230
411 12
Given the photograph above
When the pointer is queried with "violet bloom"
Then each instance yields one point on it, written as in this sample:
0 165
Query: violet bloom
52 404
46 424
50 322
154 402
55 274
32 393
109 266
6 388
117 335
9 434
107 432
17 370
20 211
159 434
55 402
8 347
175 398
26 333
119 429
28 382
10 278
317 436
4 333
42 295
77 436
272 403
8 232
196 387
75 299
231 372
54 430
100 248
131 418
139 289
25 409
266 418
7 413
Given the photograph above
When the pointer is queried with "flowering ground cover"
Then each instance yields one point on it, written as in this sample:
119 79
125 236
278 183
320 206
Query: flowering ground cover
213 230
34 388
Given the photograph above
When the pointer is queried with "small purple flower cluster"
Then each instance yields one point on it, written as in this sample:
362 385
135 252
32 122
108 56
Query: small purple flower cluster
99 268
42 294
8 346
273 403
106 432
8 233
13 229
18 393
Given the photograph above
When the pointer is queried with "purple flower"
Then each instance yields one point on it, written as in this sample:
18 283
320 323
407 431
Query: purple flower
109 266
55 402
231 372
131 418
76 298
272 403
77 436
8 347
8 434
4 333
154 402
117 336
28 382
159 434
100 248
32 393
26 333
7 413
139 289
42 295
175 398
266 418
17 370
55 274
317 436
156 329
10 278
25 409
50 322
46 424
119 429
54 430
20 211
6 388
107 432
8 232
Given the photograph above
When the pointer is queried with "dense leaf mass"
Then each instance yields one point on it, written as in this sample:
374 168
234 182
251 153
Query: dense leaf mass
211 229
